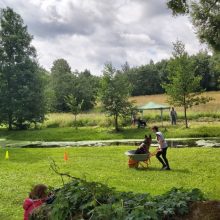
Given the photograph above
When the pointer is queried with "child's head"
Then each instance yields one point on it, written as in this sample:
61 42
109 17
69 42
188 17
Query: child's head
155 129
38 192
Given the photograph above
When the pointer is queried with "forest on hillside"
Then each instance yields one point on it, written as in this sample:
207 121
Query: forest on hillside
144 80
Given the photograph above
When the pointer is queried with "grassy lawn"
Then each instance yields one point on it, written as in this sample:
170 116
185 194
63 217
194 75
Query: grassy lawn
97 133
191 167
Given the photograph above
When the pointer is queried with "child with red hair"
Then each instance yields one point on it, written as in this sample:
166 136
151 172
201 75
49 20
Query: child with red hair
37 197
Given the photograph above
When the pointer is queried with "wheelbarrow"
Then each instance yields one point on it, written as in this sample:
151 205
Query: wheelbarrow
138 160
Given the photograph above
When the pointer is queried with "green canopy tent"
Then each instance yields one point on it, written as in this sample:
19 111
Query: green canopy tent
154 106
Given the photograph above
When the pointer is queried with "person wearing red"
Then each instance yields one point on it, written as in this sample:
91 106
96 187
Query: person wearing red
37 197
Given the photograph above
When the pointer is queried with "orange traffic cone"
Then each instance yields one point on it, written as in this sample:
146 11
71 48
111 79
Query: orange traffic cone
65 156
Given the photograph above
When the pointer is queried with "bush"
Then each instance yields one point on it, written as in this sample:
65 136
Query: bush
80 199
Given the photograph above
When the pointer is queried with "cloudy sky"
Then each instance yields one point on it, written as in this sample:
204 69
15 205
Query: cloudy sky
89 33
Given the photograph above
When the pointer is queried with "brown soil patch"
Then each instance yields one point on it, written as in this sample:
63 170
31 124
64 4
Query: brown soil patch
207 210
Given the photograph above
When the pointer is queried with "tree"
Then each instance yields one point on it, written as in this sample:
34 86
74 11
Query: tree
203 69
48 90
86 88
183 87
148 80
21 84
115 91
144 80
74 106
62 84
215 68
161 67
205 18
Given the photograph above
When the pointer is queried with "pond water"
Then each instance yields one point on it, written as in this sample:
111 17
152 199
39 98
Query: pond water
178 143
214 142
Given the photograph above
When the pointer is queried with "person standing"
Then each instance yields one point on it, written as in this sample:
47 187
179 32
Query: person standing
162 149
133 119
173 116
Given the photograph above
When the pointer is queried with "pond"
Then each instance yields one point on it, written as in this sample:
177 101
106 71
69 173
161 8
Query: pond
184 142
209 142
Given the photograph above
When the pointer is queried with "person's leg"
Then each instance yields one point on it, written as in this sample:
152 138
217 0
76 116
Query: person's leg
164 153
160 159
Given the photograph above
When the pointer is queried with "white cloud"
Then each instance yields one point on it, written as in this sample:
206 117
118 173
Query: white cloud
129 12
88 33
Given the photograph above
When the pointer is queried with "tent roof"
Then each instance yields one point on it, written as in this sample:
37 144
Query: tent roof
153 105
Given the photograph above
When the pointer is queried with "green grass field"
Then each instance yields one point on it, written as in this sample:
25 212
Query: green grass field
191 167
97 133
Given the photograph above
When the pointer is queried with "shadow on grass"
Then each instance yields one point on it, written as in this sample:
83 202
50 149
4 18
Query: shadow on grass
159 170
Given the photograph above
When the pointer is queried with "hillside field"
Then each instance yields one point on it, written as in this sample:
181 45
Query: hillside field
212 106
209 112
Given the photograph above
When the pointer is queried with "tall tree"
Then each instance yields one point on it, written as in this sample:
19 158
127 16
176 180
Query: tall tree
183 88
205 18
115 91
215 68
161 67
21 86
48 91
203 69
144 80
86 89
62 84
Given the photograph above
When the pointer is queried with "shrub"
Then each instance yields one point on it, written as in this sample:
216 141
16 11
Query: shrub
80 199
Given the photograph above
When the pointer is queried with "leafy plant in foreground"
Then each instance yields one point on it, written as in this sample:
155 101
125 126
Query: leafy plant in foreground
80 199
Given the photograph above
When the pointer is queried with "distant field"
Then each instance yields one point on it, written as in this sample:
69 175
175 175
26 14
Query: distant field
67 119
209 112
212 106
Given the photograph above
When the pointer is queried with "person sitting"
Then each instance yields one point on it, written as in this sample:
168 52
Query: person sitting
144 146
141 123
37 197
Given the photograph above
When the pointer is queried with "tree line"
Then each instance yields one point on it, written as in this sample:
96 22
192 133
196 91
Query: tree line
143 80
28 91
148 79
